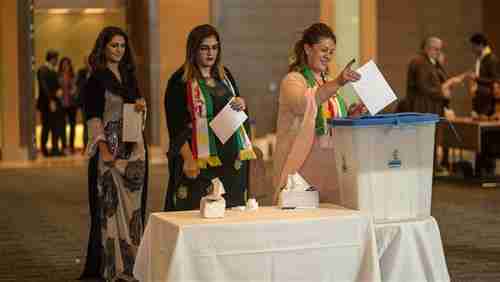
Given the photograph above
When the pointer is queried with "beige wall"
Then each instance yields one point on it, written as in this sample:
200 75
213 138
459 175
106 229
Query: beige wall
2 76
252 38
9 87
78 4
176 19
368 32
73 35
355 25
402 25
327 16
491 22
258 37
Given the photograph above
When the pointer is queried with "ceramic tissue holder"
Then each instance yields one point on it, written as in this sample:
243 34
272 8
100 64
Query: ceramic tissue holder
213 205
252 205
298 194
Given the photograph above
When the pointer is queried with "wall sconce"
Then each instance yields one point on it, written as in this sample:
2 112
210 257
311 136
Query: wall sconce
94 11
58 11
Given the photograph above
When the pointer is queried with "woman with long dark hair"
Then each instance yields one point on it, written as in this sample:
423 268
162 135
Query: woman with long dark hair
195 94
117 169
308 97
69 105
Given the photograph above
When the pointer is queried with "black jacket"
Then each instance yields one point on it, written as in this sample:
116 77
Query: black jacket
484 101
48 83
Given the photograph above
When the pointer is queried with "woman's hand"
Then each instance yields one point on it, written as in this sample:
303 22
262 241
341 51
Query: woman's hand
348 75
190 168
357 109
140 105
238 104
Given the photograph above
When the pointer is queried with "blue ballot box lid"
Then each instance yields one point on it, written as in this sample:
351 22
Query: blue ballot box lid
386 119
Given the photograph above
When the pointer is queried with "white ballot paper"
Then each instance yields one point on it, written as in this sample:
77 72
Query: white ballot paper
132 124
227 121
373 89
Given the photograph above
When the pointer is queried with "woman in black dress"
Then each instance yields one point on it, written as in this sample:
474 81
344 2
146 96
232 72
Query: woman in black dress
195 94
117 169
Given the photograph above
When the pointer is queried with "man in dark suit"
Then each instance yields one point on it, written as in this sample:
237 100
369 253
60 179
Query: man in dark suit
487 71
425 78
425 84
47 87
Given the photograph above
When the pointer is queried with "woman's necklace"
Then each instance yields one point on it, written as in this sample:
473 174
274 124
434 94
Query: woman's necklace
209 81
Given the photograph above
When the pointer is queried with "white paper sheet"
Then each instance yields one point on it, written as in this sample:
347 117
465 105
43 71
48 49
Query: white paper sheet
227 121
373 89
132 124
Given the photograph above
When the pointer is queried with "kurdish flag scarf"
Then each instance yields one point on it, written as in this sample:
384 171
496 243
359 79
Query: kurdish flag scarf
334 107
204 147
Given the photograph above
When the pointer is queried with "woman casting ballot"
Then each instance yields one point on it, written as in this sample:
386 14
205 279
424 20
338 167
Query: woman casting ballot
307 99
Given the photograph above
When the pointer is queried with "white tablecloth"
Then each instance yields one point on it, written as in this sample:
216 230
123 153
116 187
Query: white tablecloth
267 245
411 251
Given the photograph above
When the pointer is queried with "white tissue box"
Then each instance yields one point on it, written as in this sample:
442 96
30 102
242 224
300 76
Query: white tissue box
298 199
212 208
252 205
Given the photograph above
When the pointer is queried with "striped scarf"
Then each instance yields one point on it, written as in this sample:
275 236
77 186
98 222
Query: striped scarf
334 107
203 146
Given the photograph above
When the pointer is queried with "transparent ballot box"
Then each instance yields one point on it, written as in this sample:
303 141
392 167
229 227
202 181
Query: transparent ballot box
385 164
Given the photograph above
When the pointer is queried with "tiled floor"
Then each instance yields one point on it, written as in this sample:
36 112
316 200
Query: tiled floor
44 223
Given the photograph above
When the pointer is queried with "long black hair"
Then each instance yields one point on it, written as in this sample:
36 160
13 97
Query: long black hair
61 64
479 39
97 58
128 89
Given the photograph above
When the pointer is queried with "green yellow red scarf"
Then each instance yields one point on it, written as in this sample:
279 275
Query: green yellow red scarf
334 107
203 146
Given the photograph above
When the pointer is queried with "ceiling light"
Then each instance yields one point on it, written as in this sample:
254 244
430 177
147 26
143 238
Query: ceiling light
94 11
58 11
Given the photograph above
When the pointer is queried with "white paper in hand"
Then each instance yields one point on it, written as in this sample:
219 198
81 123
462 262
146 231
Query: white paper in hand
132 124
373 89
227 121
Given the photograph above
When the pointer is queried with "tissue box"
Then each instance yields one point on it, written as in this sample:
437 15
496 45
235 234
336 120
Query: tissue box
252 205
298 199
212 208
